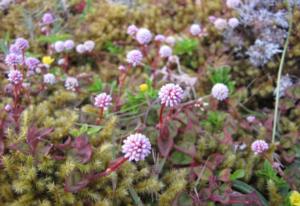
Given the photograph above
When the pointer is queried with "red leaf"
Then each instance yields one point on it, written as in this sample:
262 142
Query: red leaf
83 149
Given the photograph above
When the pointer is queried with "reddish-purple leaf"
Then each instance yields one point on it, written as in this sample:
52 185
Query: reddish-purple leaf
83 149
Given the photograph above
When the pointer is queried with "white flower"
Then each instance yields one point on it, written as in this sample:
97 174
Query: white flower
220 91
143 36
195 29
233 3
165 51
220 23
69 44
89 45
59 46
80 48
49 79
170 40
134 57
71 84
233 22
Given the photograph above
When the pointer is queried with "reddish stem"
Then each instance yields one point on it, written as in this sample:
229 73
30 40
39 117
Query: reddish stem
100 115
161 115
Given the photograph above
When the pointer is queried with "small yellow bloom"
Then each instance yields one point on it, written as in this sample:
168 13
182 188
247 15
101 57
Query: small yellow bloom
295 198
143 87
47 60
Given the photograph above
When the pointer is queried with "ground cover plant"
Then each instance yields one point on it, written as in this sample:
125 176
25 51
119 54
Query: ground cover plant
149 102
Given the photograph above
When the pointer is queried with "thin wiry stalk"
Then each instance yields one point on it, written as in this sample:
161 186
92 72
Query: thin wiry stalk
280 72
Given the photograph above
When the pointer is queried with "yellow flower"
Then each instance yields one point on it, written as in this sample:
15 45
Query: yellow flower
295 198
47 60
143 87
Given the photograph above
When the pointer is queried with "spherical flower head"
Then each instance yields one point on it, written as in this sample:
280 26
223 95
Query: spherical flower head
233 3
259 146
159 38
69 45
59 46
250 118
134 57
15 77
132 30
61 61
233 22
47 60
49 79
136 147
165 51
89 45
212 19
220 24
13 59
103 101
8 108
144 87
15 49
143 36
220 91
171 40
22 43
80 49
71 84
47 19
173 59
32 63
170 95
195 29
122 68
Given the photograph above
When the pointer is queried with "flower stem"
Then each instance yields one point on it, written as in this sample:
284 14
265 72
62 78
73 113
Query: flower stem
280 72
161 119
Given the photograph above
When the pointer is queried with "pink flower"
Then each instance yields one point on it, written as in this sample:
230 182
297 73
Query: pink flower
122 68
89 45
71 84
15 77
59 46
47 18
143 36
22 43
233 3
13 59
132 30
103 101
32 63
136 147
159 38
250 119
259 146
49 79
15 49
69 45
220 23
220 91
80 49
233 22
8 108
134 57
165 51
170 95
195 29
171 40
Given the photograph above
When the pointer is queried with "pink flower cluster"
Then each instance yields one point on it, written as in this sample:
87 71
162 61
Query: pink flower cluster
259 146
136 147
170 95
103 101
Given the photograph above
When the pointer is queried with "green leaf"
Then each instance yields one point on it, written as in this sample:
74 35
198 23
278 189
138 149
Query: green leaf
94 130
180 158
237 174
245 188
53 38
112 48
97 86
186 46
